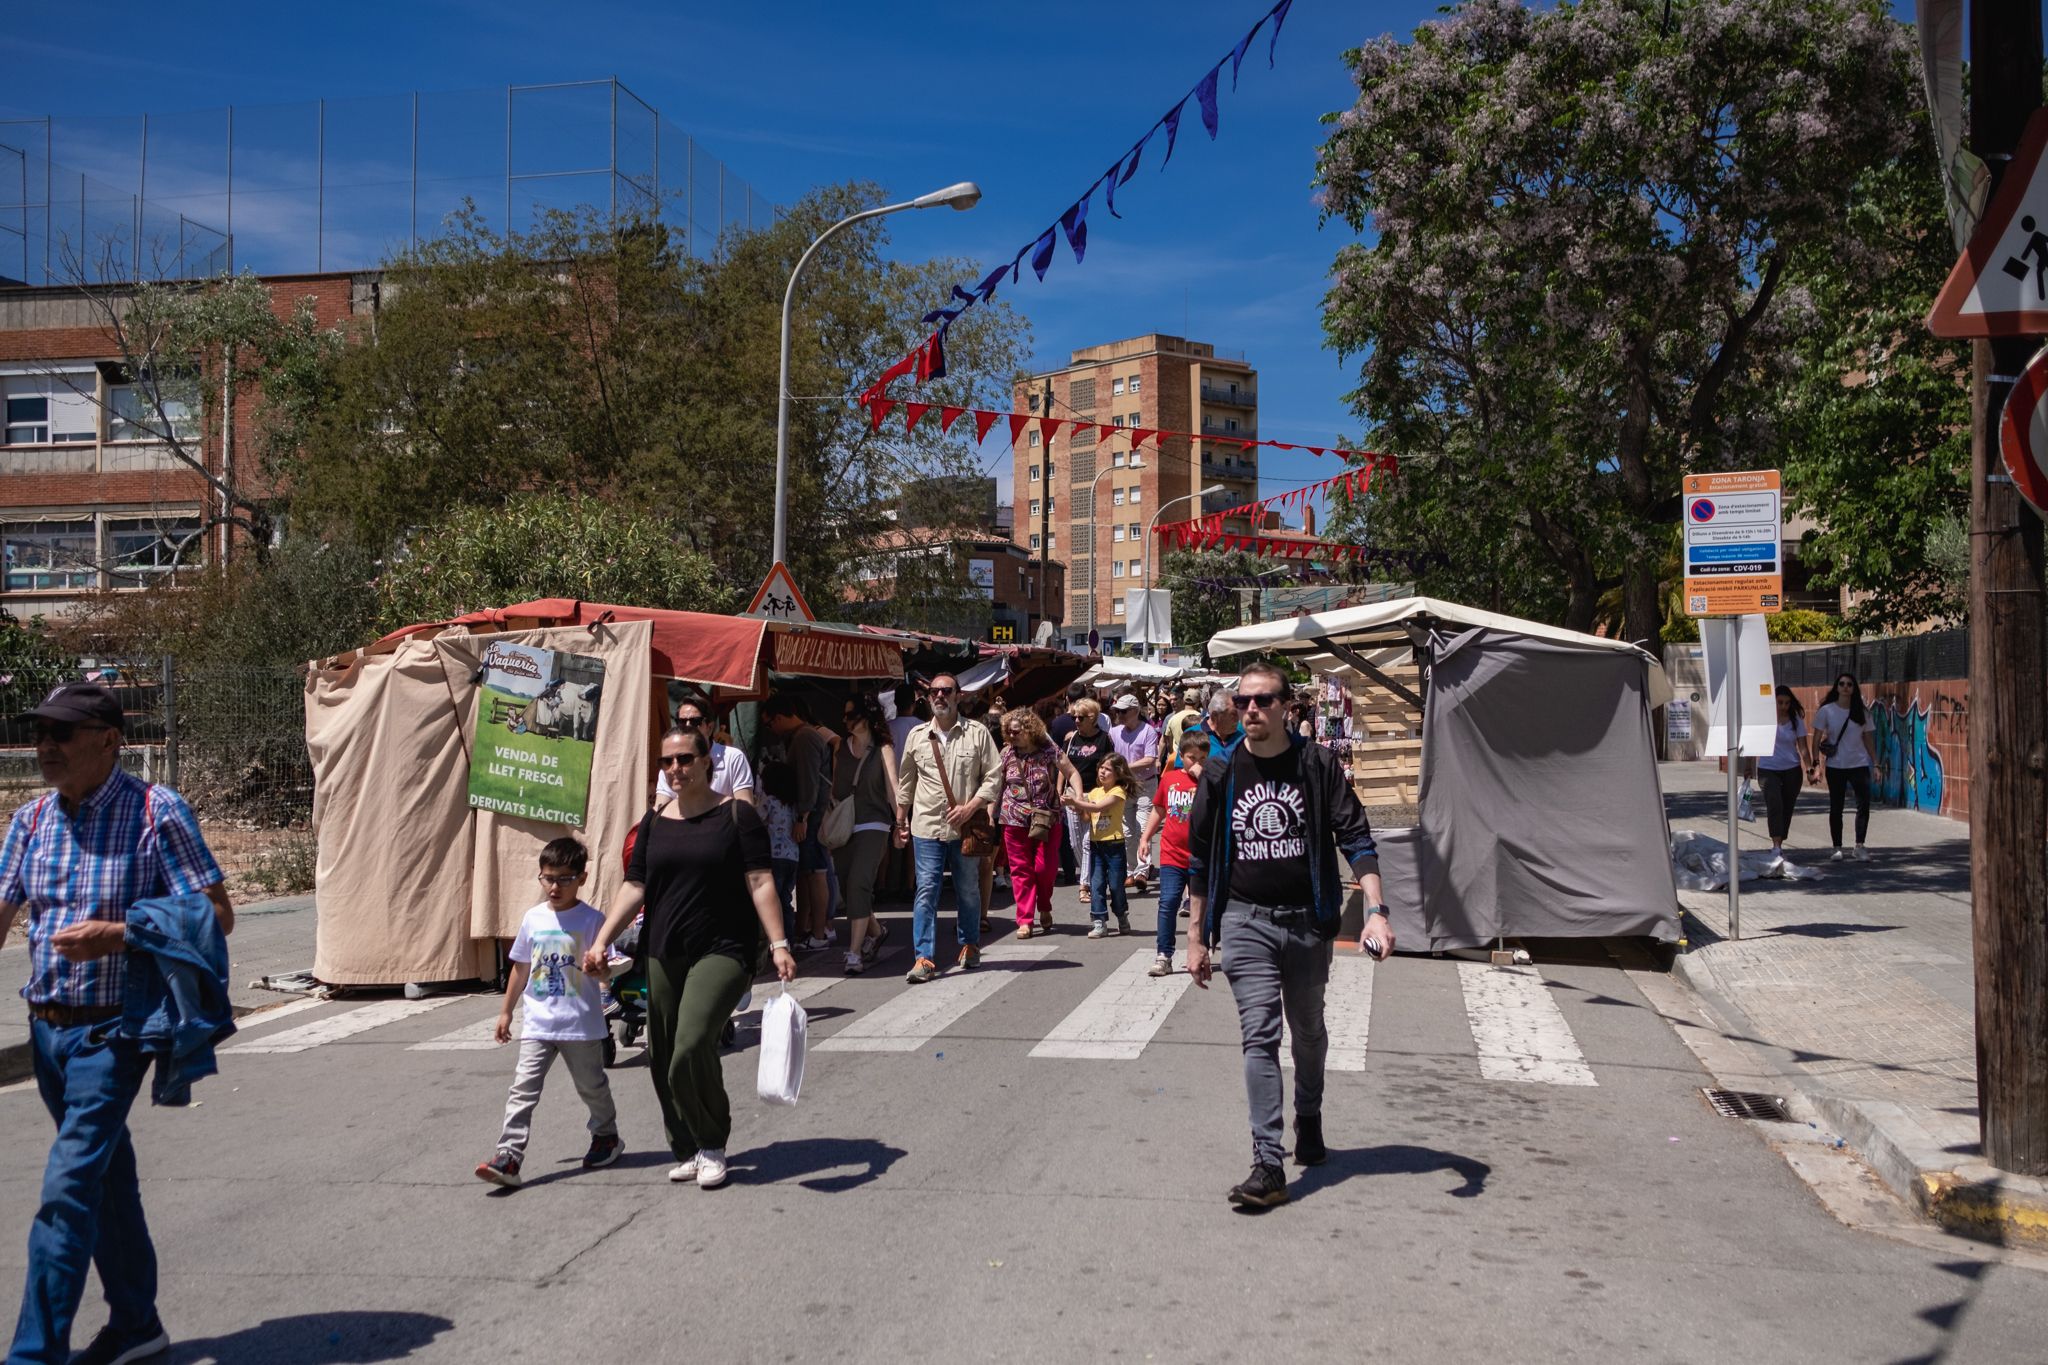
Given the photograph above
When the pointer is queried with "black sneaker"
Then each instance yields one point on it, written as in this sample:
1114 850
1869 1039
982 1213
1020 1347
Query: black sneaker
502 1169
603 1152
112 1347
1308 1140
1264 1188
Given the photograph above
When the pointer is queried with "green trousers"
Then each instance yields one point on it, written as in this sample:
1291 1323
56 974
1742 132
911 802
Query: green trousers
688 1004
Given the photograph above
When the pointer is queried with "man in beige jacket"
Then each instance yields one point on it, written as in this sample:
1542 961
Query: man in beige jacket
974 771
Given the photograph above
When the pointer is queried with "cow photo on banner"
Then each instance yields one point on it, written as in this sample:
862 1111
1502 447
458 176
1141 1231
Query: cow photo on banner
536 731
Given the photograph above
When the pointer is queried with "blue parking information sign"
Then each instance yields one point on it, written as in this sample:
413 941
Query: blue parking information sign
1734 558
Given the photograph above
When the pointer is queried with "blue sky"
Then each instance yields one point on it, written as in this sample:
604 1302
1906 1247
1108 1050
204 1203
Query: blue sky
1032 101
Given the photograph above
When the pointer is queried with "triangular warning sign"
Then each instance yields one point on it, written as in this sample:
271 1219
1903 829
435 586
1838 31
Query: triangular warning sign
1999 286
778 599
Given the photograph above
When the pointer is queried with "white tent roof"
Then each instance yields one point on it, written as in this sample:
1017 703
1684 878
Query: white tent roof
1132 670
1379 624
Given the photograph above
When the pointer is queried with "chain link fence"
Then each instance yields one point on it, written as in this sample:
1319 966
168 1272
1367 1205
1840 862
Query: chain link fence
230 740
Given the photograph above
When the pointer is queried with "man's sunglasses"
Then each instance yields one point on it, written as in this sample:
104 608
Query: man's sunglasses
938 691
693 720
63 731
1265 701
679 760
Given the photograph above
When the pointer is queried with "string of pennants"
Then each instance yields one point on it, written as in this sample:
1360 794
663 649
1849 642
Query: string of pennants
879 409
928 360
1355 483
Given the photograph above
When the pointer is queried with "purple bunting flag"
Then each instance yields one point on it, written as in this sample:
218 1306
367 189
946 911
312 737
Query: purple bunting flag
1205 97
1237 53
1279 18
1172 125
1041 252
1108 183
1075 221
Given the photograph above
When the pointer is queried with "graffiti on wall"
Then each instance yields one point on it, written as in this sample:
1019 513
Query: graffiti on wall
1908 770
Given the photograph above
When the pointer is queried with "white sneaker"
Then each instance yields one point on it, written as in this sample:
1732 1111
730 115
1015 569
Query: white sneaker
1837 856
710 1168
1162 965
685 1173
1862 854
1776 866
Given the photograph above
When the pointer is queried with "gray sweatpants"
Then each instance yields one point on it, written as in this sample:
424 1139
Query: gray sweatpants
586 1068
1272 967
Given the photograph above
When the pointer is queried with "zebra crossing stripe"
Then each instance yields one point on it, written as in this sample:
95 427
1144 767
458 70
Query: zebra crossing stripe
906 1022
1347 1014
1519 1030
347 1024
277 1012
1119 1016
478 1037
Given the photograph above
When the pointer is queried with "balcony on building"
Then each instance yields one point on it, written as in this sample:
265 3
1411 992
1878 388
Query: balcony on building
1230 395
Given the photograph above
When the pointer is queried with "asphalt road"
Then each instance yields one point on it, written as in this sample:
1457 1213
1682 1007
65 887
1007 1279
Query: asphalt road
961 1198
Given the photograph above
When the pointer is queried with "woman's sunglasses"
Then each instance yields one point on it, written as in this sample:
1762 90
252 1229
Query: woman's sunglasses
679 760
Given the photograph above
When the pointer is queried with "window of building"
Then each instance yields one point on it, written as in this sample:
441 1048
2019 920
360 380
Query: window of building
129 417
1134 530
1116 421
1132 420
1116 533
1230 424
42 555
1033 441
1052 540
1136 567
1032 399
1034 507
1116 568
42 408
1034 473
1034 542
1137 496
1116 608
1134 383
140 548
1116 457
1116 386
1117 497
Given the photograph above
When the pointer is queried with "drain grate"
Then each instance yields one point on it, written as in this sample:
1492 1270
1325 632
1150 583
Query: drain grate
1745 1104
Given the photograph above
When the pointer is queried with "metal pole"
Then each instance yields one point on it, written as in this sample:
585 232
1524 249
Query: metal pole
141 188
1045 520
615 154
1734 719
170 723
231 189
320 195
412 221
508 165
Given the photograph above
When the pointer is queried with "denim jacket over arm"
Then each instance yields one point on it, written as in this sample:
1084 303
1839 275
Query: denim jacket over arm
175 1001
1335 822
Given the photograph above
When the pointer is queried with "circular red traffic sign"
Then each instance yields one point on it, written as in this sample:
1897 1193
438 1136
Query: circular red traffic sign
2023 432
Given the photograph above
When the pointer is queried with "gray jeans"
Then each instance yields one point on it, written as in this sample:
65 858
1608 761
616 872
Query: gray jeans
586 1068
1273 967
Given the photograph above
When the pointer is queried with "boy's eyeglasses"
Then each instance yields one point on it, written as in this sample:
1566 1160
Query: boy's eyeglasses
1265 701
561 879
679 760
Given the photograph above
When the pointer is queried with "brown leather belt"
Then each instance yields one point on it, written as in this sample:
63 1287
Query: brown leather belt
74 1016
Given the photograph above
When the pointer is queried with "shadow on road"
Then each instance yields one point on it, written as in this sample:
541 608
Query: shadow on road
317 1339
792 1160
1394 1159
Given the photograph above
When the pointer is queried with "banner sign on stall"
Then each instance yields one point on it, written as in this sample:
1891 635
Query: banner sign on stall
1733 556
817 654
536 731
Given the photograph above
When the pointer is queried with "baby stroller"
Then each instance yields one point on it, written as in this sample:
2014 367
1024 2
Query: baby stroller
625 1010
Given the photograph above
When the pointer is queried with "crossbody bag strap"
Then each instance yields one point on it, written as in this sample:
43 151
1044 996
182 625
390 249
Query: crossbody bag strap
939 761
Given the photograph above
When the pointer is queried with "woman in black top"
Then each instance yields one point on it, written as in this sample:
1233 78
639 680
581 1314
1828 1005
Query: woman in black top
1087 746
701 868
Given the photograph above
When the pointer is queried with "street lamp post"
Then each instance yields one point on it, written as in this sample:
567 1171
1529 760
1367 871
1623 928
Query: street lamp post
1151 647
1135 462
964 195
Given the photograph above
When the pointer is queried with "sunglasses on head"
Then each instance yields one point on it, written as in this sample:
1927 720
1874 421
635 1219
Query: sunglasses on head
63 731
1265 701
679 760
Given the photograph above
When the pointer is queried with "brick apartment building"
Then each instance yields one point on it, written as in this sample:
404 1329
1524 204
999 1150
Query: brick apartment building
1154 381
88 500
973 529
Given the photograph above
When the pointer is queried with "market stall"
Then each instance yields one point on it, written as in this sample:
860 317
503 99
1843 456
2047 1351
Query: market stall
446 754
1533 766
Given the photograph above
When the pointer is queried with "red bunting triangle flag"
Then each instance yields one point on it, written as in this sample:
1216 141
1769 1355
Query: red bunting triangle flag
1018 421
1103 433
1139 435
1051 427
912 412
948 416
982 422
880 409
1315 450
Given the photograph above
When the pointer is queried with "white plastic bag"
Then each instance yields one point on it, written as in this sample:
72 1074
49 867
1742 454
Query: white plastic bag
1745 804
781 1077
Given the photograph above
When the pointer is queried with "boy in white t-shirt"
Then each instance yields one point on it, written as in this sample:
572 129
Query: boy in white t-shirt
564 1015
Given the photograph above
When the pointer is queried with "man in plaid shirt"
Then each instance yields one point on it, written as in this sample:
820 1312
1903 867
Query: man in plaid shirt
76 859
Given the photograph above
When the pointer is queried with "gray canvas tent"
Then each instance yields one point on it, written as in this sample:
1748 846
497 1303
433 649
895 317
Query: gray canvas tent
1541 816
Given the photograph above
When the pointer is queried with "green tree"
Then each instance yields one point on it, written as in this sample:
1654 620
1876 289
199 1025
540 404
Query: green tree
608 364
1206 587
1585 217
549 545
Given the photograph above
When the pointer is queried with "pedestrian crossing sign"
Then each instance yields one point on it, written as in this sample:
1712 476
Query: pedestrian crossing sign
1999 285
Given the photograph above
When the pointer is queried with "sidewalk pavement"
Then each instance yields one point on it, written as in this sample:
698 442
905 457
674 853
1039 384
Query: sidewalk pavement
1859 985
270 937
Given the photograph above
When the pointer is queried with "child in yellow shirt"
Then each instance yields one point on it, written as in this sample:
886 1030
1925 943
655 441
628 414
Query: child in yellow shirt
1105 804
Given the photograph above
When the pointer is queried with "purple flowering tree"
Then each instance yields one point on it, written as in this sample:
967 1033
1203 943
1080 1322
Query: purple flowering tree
1578 274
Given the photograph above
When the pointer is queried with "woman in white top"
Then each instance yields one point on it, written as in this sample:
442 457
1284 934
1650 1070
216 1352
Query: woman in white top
1779 772
1843 732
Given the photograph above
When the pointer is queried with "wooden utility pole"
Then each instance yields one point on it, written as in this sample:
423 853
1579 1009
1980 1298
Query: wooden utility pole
1045 509
2008 669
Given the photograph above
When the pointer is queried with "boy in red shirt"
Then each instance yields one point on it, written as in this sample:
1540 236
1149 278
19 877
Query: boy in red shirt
1169 824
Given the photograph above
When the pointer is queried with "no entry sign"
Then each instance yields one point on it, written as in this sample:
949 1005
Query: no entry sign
1733 559
2023 432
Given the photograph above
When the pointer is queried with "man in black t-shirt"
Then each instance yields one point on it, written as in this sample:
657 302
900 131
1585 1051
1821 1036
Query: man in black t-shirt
1271 815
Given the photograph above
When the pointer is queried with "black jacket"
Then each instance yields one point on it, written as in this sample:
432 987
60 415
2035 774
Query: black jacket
1335 821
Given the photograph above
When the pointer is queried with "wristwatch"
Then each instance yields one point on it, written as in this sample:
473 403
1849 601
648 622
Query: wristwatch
1372 910
781 943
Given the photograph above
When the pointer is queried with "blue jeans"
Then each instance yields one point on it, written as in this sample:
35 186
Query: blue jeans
92 1204
934 857
1173 885
1106 881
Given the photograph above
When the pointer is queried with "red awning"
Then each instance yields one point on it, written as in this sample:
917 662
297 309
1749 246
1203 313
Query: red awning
694 646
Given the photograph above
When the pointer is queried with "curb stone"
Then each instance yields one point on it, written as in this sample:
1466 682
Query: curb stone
1967 1197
